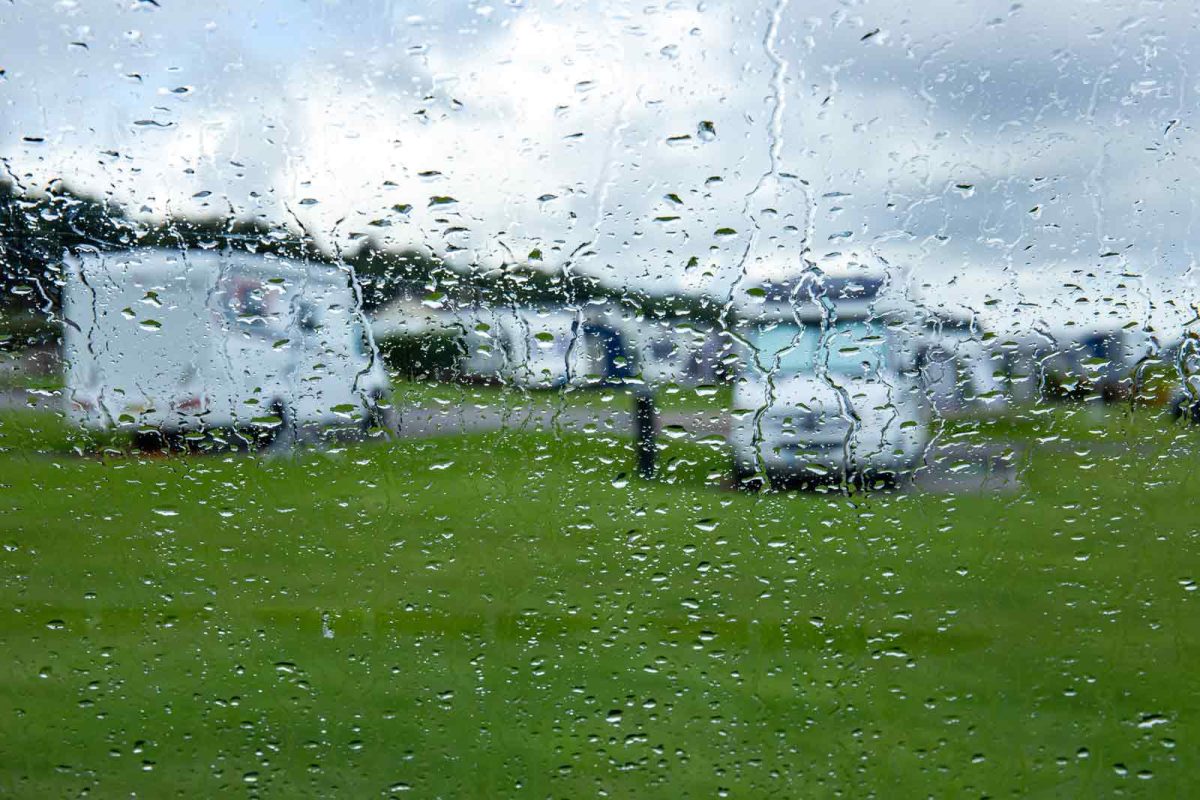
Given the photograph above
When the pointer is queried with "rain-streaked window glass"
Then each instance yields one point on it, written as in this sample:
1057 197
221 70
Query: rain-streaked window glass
580 399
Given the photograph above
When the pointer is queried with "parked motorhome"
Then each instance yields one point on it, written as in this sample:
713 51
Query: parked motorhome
663 352
189 341
545 349
672 349
609 360
1110 358
483 343
826 381
957 366
1183 360
524 347
1097 361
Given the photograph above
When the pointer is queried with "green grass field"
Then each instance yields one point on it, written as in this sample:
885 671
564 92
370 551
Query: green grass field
513 615
670 398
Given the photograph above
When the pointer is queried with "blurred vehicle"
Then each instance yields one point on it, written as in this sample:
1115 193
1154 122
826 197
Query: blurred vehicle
525 347
608 357
1111 358
484 347
1097 362
544 349
185 342
958 368
1183 357
663 352
827 382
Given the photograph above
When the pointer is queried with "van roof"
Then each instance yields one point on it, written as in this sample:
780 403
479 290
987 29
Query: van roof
844 282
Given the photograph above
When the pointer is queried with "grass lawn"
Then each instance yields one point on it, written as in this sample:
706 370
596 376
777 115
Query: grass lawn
512 614
668 398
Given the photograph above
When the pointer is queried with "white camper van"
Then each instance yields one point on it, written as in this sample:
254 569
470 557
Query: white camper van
545 348
958 368
187 341
827 383
526 348
483 343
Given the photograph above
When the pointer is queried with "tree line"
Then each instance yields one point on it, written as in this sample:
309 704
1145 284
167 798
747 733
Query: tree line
39 229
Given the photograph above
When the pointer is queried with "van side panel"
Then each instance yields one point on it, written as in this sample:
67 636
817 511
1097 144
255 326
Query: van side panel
183 341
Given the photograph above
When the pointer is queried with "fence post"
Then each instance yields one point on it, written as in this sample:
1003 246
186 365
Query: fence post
645 423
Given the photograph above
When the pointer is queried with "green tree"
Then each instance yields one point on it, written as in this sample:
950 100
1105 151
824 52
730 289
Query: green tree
38 229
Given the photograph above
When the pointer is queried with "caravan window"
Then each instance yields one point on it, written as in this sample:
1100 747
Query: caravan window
252 305
843 348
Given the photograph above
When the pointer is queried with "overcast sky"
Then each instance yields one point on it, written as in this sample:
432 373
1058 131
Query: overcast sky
1033 161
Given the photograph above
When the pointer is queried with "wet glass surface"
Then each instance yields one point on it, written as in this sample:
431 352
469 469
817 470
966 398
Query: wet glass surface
580 399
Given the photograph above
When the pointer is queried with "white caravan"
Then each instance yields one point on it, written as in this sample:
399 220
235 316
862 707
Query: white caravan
958 368
545 349
526 348
672 351
827 382
483 343
188 341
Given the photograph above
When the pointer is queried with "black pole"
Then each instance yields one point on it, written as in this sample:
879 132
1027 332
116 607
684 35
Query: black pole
645 420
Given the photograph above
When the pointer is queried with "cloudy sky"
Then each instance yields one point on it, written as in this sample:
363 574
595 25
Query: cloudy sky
1034 161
